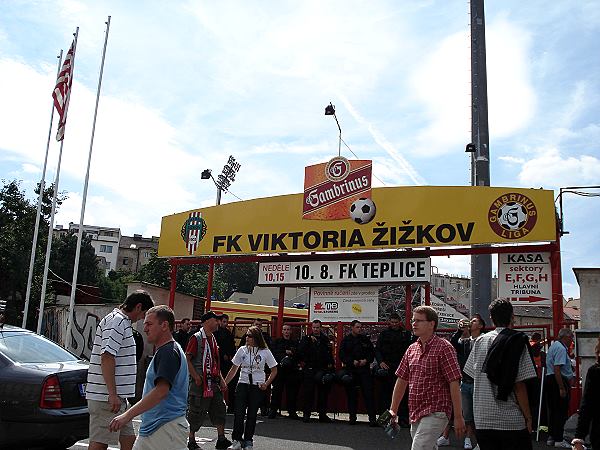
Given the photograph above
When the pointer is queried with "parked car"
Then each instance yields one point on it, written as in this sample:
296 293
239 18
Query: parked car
42 392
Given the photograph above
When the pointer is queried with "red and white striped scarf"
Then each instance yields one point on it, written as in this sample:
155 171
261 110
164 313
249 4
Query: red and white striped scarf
210 363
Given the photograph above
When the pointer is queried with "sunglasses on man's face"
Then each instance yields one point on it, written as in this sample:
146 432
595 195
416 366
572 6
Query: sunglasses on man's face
248 335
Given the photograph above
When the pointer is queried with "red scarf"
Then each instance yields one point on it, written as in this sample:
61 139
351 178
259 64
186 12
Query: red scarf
210 363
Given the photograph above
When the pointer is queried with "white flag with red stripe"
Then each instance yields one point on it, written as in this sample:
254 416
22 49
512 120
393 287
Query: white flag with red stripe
62 91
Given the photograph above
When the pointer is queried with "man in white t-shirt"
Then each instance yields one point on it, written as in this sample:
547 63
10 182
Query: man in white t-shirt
112 372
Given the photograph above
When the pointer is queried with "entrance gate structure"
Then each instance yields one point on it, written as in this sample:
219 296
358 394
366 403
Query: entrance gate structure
391 224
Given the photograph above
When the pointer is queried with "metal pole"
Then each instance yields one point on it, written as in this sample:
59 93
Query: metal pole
173 285
280 306
408 305
85 188
211 264
39 208
557 294
481 265
537 435
209 284
218 195
49 243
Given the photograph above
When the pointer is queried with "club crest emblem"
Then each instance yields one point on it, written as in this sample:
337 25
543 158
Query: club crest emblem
512 216
193 231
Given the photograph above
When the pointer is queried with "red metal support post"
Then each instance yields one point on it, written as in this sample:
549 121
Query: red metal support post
173 285
339 335
280 306
557 293
209 284
428 294
408 305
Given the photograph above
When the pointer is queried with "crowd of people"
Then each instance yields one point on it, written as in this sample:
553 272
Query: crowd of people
477 381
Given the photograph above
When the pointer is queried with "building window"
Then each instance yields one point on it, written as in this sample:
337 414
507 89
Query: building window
107 265
109 233
275 301
125 261
106 248
146 254
243 300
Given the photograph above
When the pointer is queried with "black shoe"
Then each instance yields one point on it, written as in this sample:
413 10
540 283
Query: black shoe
264 412
352 420
323 418
272 414
222 443
293 416
193 445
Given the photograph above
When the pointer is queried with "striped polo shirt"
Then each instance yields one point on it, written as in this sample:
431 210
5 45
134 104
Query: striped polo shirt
114 335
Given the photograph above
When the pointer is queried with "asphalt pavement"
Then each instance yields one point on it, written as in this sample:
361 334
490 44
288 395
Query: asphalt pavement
283 433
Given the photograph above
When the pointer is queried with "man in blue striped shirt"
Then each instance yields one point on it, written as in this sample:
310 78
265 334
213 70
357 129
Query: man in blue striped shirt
112 371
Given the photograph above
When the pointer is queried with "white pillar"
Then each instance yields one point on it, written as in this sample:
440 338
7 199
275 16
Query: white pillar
589 325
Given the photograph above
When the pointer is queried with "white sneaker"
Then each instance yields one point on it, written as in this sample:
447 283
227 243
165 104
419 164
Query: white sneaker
468 445
443 442
562 444
235 445
550 442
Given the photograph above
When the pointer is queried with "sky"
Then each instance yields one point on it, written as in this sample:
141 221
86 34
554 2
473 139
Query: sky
188 83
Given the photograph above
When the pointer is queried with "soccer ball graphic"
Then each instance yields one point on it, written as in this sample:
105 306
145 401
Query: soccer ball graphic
362 210
512 216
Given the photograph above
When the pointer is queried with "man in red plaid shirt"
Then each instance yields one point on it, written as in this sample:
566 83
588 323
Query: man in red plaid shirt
430 370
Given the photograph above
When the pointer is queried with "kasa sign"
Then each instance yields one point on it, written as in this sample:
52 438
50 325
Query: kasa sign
525 278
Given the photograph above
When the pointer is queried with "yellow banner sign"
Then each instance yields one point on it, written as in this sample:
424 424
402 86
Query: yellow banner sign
423 216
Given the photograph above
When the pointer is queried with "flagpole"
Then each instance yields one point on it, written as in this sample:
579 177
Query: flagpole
71 62
39 209
49 243
85 188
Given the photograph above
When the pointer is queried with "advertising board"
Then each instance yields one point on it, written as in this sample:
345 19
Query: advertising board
344 304
376 271
525 278
415 217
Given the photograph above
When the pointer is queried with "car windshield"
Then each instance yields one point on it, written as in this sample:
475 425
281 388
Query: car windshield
32 348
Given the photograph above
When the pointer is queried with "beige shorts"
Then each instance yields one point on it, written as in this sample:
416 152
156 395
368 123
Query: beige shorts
172 435
100 418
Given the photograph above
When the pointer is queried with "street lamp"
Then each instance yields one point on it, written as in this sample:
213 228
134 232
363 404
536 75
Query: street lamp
330 111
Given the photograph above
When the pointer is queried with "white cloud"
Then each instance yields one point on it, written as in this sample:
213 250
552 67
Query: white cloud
406 169
30 168
550 169
453 265
442 84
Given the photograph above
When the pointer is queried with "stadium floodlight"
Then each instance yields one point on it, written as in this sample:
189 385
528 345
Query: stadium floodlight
205 174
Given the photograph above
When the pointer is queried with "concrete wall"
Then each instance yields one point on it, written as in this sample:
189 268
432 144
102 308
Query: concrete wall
184 304
587 334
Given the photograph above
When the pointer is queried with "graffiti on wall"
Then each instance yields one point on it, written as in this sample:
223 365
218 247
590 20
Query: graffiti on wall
82 334
83 331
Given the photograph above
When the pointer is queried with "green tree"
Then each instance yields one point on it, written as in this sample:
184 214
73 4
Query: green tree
17 222
193 279
62 259
113 287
